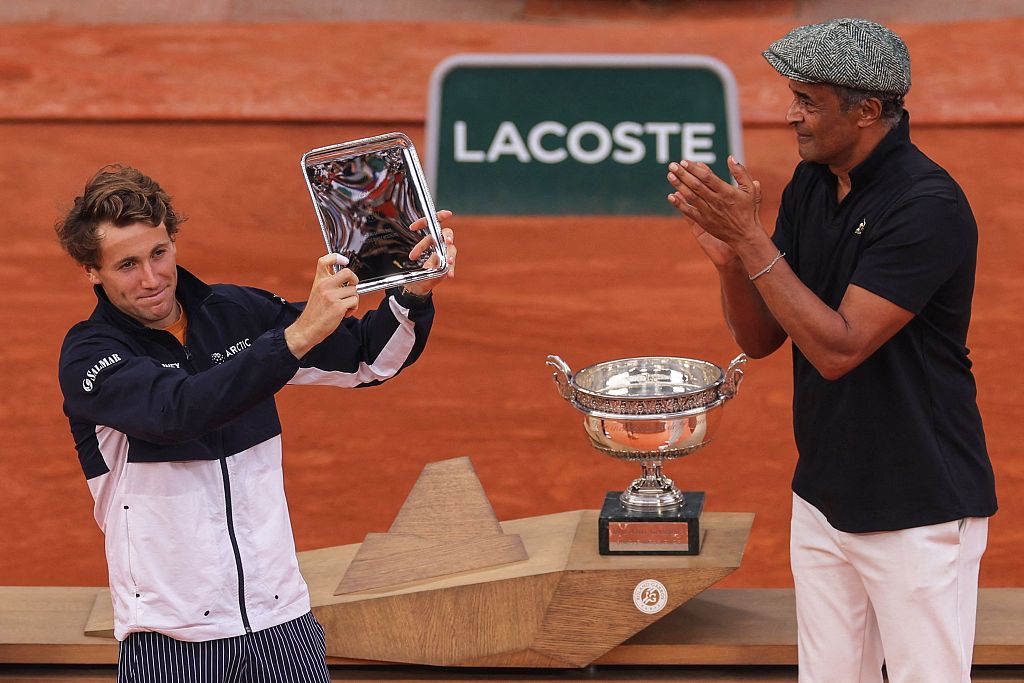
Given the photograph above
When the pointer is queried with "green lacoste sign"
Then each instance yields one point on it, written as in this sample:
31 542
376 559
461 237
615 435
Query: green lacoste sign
574 134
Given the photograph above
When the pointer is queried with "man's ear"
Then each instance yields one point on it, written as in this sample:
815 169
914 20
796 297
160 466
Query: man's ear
90 273
870 112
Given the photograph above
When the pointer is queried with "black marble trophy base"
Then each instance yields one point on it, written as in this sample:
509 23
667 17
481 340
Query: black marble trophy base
675 531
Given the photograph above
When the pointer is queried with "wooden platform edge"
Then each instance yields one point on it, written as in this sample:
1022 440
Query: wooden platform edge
757 626
721 627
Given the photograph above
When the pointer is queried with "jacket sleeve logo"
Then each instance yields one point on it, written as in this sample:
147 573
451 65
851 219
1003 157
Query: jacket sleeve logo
240 345
90 376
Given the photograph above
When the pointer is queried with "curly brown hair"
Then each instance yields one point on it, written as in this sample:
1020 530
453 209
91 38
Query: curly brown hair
119 195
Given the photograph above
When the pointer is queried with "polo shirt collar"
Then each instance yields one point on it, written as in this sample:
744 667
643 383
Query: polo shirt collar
895 139
863 173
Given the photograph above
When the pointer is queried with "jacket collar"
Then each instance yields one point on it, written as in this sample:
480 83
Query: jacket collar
191 292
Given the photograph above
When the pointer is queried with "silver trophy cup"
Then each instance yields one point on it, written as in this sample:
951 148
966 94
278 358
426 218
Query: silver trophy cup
649 410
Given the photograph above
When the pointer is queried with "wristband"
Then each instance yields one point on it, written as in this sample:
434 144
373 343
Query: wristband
767 269
413 296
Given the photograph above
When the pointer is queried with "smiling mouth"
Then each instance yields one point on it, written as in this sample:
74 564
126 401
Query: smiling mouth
152 296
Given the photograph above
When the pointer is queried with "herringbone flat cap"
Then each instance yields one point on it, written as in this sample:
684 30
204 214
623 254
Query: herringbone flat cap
855 53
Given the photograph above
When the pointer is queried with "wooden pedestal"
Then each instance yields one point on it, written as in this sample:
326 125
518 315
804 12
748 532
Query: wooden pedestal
563 607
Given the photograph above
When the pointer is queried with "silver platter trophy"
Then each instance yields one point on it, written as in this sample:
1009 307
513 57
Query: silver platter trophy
366 194
649 410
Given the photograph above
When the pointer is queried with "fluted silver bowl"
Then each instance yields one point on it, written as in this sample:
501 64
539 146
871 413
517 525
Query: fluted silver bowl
652 407
649 409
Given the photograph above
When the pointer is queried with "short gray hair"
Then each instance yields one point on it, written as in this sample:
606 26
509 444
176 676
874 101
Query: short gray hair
892 103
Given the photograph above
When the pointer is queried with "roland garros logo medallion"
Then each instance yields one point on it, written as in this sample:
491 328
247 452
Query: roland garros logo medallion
650 596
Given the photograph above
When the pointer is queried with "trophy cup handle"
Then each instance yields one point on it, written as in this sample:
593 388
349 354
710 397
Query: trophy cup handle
562 376
733 376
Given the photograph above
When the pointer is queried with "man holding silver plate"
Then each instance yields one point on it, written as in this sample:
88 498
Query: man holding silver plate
870 273
169 389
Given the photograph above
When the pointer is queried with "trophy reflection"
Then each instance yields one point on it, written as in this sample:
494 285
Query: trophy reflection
368 205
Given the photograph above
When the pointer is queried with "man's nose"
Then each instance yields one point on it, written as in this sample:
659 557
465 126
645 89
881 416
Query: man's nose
793 114
149 277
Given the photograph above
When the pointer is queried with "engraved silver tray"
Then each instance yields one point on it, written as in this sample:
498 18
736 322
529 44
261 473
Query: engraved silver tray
366 194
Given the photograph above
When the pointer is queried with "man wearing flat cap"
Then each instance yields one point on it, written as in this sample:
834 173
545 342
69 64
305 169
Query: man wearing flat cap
870 273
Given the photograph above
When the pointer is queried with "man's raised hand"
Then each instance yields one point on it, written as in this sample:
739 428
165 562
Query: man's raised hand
331 299
424 287
721 214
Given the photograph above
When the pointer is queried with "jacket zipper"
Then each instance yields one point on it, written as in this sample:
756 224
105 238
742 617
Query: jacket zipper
227 510
227 500
234 545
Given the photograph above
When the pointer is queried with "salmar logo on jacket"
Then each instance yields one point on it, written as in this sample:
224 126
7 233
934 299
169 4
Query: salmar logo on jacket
90 376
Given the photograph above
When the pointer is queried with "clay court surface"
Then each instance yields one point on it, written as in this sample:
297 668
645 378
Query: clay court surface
221 118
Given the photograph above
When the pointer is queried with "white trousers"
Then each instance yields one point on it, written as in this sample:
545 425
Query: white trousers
907 597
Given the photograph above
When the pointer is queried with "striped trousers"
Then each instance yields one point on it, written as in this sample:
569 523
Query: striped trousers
290 652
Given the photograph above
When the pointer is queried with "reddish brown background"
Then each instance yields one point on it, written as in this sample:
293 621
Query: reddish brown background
220 115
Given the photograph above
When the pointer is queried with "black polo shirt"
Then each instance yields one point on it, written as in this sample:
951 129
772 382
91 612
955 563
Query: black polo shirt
898 441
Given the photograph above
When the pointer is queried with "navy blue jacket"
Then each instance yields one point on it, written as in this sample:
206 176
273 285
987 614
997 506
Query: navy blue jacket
180 446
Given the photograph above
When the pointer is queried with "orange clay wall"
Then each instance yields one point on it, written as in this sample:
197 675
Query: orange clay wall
220 114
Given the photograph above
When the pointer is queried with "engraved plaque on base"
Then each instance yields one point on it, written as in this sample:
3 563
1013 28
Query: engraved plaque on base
673 531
